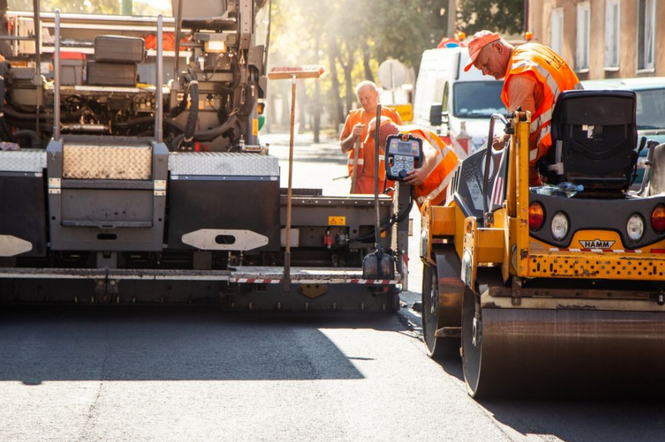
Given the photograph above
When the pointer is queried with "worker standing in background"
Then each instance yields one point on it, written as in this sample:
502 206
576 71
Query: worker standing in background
355 131
431 179
534 76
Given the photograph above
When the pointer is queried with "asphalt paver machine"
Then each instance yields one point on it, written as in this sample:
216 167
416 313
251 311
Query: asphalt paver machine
118 190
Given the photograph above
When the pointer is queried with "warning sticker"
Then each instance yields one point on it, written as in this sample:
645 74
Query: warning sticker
336 220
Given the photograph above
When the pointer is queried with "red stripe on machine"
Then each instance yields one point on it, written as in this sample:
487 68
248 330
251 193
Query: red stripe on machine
555 249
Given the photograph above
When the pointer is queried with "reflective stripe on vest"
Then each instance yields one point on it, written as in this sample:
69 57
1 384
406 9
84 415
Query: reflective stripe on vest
446 161
386 112
554 82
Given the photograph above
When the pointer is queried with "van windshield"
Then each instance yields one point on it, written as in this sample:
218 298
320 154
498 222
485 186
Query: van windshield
651 109
478 99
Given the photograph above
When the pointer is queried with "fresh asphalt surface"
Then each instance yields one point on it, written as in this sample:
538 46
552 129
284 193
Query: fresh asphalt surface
194 374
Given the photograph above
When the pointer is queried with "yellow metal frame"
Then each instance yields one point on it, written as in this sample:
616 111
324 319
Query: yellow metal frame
506 240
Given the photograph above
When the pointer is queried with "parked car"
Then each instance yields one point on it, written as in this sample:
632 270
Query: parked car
453 103
650 109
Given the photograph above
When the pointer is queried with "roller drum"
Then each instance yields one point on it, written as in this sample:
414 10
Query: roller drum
563 352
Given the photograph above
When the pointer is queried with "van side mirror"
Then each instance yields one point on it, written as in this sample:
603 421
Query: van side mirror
436 115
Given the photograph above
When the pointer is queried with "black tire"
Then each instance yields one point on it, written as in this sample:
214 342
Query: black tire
437 348
471 346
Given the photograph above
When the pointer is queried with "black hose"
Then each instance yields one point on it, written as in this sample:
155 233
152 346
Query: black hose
148 120
387 223
206 135
26 133
13 113
384 225
192 118
5 130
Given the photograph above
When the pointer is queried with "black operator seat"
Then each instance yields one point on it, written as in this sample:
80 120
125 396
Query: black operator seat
594 135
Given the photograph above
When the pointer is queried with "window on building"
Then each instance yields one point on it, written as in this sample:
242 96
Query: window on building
646 34
583 30
557 30
612 17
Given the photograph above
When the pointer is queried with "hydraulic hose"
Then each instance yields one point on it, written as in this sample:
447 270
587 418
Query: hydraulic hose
27 133
18 115
384 225
207 135
5 130
148 120
193 116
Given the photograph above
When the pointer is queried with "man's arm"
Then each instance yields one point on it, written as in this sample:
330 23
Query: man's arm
418 176
398 119
349 135
521 92
520 95
346 144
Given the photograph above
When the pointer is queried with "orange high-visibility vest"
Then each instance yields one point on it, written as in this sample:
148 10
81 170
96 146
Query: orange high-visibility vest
366 156
555 76
434 187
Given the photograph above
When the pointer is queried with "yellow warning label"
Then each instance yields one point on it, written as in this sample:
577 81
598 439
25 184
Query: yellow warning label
336 220
255 126
405 111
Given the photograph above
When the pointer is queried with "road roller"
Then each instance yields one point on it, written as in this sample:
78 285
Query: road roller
555 289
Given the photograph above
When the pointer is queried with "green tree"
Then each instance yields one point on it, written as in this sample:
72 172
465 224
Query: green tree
494 15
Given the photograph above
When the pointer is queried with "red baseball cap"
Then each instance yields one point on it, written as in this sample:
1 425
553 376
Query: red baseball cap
479 40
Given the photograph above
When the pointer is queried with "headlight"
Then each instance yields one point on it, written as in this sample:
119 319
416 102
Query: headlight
635 227
559 226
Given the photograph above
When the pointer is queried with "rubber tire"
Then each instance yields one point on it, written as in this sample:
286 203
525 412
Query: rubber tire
471 354
437 348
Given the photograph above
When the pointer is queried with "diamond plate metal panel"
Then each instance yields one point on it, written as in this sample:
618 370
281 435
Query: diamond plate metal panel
107 162
223 164
25 160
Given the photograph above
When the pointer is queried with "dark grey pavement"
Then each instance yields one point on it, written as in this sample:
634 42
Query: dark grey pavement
196 374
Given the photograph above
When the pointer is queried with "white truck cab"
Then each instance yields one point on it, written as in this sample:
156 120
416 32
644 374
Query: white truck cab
454 103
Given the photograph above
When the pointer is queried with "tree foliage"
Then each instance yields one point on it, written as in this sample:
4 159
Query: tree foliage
91 6
494 15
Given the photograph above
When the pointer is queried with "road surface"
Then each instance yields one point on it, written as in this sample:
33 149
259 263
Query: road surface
192 374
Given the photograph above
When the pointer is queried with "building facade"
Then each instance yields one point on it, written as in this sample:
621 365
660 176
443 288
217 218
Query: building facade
603 38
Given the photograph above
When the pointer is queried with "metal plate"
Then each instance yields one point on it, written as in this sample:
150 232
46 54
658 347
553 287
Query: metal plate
223 164
24 160
107 162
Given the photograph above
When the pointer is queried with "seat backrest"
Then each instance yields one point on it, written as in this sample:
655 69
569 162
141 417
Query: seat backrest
594 135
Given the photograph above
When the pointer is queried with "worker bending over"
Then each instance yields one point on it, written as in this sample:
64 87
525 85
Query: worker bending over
534 76
431 179
355 131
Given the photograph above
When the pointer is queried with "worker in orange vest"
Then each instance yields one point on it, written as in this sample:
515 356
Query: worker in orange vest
534 76
431 179
353 134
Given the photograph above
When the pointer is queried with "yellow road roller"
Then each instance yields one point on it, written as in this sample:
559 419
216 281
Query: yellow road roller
556 288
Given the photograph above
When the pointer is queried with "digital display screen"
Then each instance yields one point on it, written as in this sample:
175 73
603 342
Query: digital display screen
404 148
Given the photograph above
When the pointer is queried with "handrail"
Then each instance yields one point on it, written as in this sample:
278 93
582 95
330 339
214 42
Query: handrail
159 111
56 79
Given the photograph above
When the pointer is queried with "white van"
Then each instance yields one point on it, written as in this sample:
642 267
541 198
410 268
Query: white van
462 102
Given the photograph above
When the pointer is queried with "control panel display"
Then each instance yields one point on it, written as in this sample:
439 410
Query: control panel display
403 154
